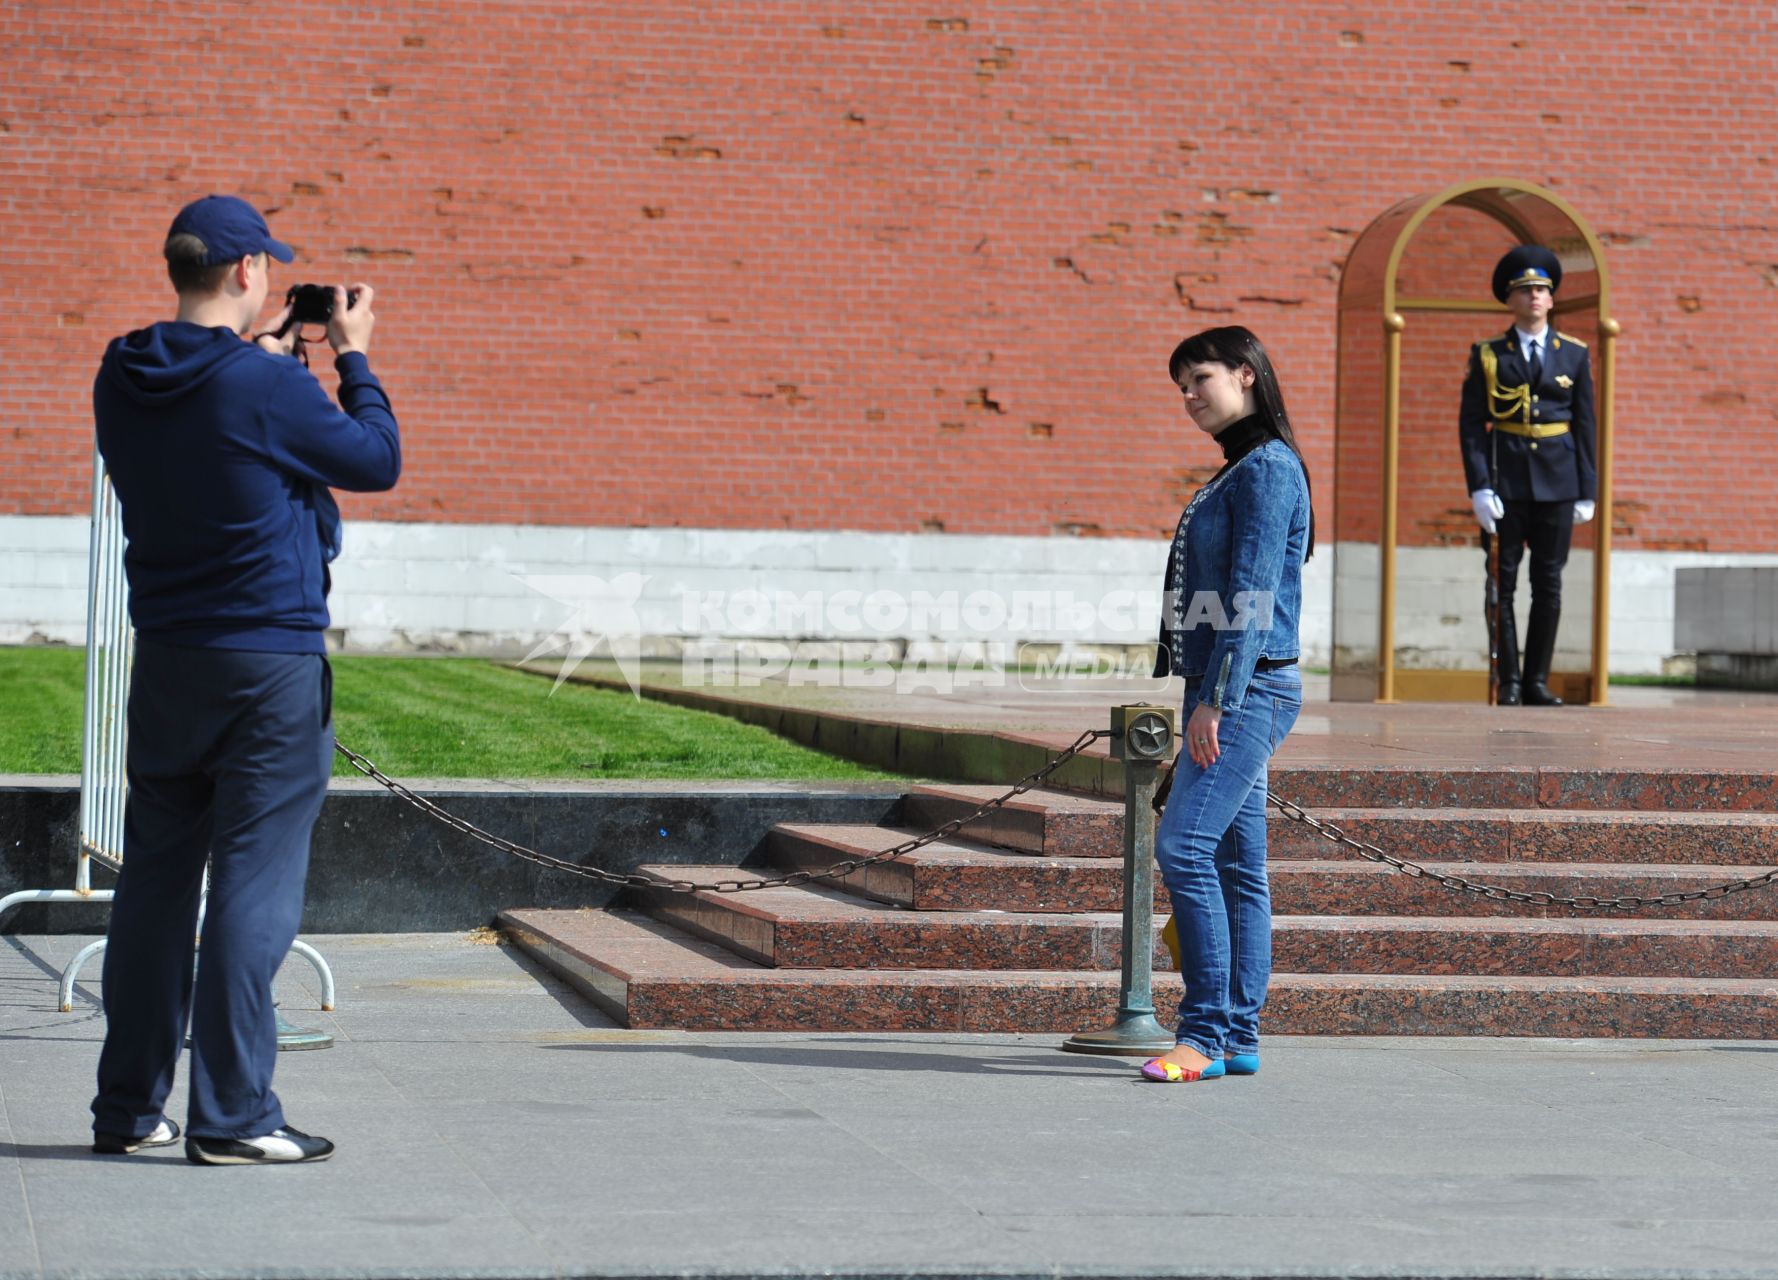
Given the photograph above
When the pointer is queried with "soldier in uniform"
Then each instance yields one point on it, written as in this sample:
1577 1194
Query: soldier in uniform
1526 427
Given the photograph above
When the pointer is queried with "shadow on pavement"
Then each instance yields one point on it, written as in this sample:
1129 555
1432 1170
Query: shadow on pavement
577 1006
55 1151
37 961
842 1058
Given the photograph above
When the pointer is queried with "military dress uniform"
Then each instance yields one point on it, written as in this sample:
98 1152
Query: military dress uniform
1527 432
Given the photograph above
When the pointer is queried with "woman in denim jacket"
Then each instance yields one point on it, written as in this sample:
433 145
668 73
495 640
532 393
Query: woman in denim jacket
1233 595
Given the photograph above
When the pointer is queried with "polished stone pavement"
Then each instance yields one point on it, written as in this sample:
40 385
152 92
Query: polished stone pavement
492 1124
1641 727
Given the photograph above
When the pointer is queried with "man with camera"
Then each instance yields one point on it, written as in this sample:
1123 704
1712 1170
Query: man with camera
222 451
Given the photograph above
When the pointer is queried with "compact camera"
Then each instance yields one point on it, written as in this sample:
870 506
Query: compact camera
313 303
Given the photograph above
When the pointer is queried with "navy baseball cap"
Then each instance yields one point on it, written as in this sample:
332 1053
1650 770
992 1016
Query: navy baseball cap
230 229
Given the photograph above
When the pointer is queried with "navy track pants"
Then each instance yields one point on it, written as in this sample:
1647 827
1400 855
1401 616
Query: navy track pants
229 755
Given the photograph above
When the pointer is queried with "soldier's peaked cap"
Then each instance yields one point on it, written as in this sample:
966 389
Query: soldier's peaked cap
1528 264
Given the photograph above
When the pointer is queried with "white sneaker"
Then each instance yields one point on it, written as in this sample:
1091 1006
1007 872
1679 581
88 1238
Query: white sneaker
280 1146
115 1144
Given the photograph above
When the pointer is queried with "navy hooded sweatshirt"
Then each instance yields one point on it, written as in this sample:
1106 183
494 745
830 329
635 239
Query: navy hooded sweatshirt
221 454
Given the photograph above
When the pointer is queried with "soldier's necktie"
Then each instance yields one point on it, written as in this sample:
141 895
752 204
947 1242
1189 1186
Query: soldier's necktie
1536 361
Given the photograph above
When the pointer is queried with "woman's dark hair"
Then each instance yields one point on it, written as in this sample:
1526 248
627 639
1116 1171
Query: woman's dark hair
1233 346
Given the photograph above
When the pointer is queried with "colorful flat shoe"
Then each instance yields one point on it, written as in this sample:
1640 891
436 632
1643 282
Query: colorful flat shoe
1170 937
1241 1064
1163 1072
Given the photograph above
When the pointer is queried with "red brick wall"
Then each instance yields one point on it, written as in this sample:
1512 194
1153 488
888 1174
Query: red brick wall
881 265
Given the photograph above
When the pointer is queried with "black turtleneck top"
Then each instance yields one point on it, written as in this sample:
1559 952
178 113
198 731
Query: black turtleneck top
1241 438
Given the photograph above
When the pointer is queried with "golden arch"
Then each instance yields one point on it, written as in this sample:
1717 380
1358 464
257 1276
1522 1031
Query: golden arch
1374 313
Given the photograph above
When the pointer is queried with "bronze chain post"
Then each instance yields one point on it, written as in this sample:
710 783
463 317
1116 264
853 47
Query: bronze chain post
1142 737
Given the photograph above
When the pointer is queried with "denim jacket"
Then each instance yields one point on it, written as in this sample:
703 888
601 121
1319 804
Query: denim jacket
1234 584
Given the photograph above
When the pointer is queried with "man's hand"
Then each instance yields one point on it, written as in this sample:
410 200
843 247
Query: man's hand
1488 508
280 337
1583 510
349 330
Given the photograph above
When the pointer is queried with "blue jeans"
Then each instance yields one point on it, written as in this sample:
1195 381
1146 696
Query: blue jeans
1211 849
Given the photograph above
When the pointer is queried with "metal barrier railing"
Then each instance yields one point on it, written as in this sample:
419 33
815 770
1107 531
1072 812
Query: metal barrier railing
103 786
110 646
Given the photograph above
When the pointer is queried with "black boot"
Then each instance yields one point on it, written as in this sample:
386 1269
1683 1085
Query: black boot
1506 651
1540 647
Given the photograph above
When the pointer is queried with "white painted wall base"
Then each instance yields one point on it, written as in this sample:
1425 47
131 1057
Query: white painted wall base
503 589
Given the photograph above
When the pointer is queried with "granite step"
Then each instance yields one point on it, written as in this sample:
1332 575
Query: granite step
964 876
1062 824
1537 835
815 928
1353 888
1508 946
948 875
811 927
1056 824
650 975
1414 786
1481 1005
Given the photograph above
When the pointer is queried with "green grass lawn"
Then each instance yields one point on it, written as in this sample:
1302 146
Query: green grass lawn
41 691
447 718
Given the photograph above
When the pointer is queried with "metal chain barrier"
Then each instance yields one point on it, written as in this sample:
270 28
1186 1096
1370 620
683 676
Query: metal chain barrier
1500 893
631 880
1295 812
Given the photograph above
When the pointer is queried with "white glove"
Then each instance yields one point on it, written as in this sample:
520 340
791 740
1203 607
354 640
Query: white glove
1488 508
1583 511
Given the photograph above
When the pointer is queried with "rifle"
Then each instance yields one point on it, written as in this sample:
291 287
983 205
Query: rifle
1491 611
1491 594
1514 400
